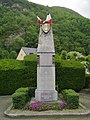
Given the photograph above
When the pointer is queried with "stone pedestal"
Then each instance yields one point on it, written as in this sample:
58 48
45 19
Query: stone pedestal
46 68
46 84
46 95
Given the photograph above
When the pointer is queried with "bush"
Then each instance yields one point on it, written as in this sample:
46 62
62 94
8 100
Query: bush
25 90
19 99
15 74
22 96
32 57
70 75
73 101
72 98
65 92
87 80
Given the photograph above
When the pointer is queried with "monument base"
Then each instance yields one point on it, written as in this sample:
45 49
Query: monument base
46 95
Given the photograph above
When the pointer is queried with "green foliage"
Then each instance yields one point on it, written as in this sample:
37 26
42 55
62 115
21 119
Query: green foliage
19 99
18 20
32 57
64 54
88 58
87 81
81 58
30 91
4 54
22 96
72 55
11 64
67 91
17 43
22 89
12 55
31 61
70 75
72 98
25 90
15 74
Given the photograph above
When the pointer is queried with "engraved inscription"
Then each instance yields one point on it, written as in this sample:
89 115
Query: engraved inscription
46 96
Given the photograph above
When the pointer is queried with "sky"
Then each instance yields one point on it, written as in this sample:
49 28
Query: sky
80 6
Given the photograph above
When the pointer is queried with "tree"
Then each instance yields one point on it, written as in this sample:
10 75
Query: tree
18 18
4 54
17 43
13 55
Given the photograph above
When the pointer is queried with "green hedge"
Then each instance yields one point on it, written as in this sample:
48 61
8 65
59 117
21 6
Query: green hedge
72 98
87 80
32 57
19 99
15 74
70 75
25 90
22 96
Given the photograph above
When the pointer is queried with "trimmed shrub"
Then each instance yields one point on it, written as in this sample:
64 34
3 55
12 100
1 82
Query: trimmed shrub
32 57
70 75
72 98
25 90
11 64
65 92
30 60
15 74
87 80
19 99
73 101
22 96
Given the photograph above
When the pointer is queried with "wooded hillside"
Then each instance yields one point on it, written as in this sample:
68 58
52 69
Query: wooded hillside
18 27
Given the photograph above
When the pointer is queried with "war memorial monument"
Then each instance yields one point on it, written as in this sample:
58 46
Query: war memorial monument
46 67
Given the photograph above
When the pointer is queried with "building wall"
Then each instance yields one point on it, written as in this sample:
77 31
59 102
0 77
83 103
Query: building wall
21 55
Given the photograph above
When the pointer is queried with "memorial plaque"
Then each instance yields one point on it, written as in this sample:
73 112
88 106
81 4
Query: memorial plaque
46 96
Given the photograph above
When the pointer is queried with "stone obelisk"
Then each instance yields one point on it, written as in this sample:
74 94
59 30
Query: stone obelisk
46 67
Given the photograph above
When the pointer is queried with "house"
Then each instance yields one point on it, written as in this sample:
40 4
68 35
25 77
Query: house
26 51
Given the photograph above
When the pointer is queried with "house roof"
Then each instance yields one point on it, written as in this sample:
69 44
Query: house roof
29 50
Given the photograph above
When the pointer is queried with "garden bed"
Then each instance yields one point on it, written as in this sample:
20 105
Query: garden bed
11 112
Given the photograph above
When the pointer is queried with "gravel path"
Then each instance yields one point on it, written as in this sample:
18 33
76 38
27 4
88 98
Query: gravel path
5 101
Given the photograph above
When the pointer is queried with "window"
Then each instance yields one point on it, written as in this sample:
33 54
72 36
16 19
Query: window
30 53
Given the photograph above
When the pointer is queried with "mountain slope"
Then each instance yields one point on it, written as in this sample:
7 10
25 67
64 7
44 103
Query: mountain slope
18 26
